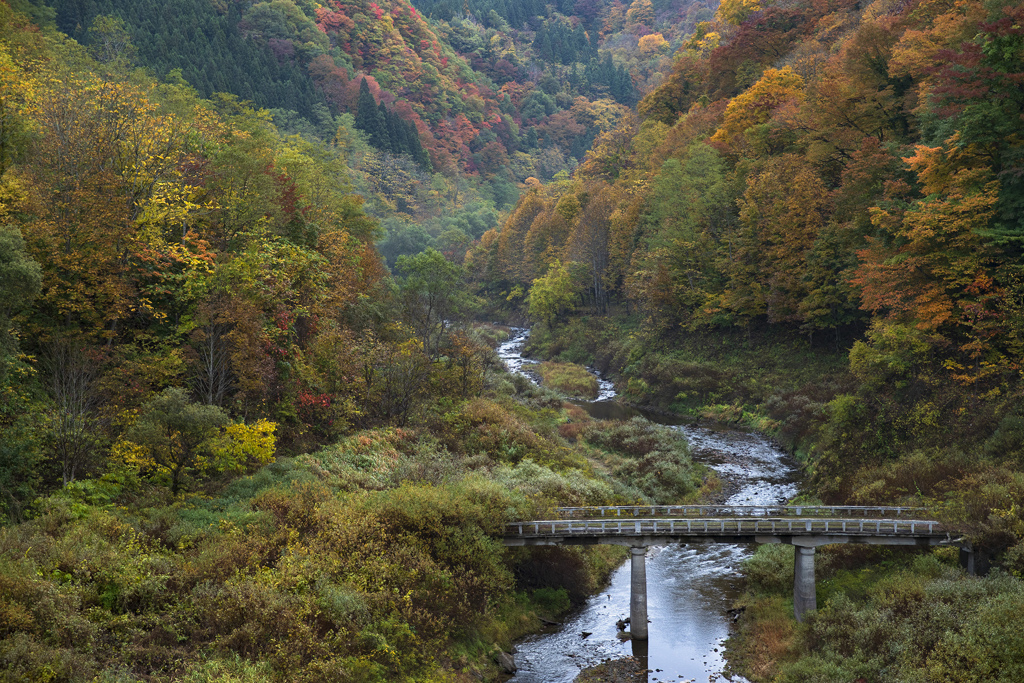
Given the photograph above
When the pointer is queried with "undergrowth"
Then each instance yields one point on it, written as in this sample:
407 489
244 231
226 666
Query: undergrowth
883 616
375 558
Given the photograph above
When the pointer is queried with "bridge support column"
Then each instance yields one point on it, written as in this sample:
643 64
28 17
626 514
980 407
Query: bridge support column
804 597
638 594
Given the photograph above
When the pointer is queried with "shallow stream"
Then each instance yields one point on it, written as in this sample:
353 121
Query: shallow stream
689 587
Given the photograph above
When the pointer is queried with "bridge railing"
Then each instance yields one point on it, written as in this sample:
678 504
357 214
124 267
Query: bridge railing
737 511
730 526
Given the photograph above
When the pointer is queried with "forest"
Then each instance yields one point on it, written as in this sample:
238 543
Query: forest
252 425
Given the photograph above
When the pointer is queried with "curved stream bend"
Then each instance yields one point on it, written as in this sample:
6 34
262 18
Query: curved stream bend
689 588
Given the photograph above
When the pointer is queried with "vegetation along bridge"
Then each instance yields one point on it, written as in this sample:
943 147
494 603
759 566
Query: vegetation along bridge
805 527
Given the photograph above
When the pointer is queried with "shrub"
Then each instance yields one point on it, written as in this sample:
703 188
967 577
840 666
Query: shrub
28 659
555 567
770 568
383 458
649 458
989 648
228 670
490 335
569 489
503 432
764 637
1007 442
551 601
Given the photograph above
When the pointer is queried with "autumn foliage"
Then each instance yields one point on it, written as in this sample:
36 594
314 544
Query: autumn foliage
818 168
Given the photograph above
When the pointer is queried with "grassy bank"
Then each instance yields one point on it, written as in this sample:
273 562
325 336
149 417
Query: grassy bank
375 558
575 381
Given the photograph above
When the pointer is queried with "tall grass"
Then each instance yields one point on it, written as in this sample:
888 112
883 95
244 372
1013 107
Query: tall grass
572 380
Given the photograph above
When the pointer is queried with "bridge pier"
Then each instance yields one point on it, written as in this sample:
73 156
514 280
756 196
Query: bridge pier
638 594
805 598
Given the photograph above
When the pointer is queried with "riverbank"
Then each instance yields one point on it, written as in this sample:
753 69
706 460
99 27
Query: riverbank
626 670
772 382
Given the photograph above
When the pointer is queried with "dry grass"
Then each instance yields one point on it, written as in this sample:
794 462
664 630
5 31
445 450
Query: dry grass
766 639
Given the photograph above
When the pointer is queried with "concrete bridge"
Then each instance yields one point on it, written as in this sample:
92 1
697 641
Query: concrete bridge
804 526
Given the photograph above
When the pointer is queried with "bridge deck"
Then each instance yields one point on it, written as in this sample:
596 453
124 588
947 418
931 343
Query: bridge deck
722 529
830 511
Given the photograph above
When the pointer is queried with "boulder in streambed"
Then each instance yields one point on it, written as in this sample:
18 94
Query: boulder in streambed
506 661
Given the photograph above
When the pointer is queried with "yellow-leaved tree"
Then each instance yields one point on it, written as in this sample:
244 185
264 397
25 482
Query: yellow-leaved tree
652 42
176 437
757 106
735 12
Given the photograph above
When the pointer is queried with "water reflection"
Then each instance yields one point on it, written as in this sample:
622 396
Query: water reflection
641 650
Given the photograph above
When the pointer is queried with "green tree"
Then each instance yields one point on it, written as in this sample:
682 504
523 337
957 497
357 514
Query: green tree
692 206
433 296
20 280
369 119
177 435
553 294
111 43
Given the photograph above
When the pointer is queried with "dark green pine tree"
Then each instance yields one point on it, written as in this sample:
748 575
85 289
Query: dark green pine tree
419 154
392 141
622 86
574 77
368 117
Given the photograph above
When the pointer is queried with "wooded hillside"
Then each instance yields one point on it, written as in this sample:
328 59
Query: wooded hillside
814 227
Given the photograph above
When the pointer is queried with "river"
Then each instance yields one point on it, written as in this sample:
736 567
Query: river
689 587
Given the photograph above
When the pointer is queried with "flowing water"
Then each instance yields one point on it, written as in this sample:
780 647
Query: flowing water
689 587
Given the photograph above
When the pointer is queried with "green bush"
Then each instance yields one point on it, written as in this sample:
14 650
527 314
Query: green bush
552 601
489 335
989 648
228 670
925 623
1007 442
770 568
568 488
